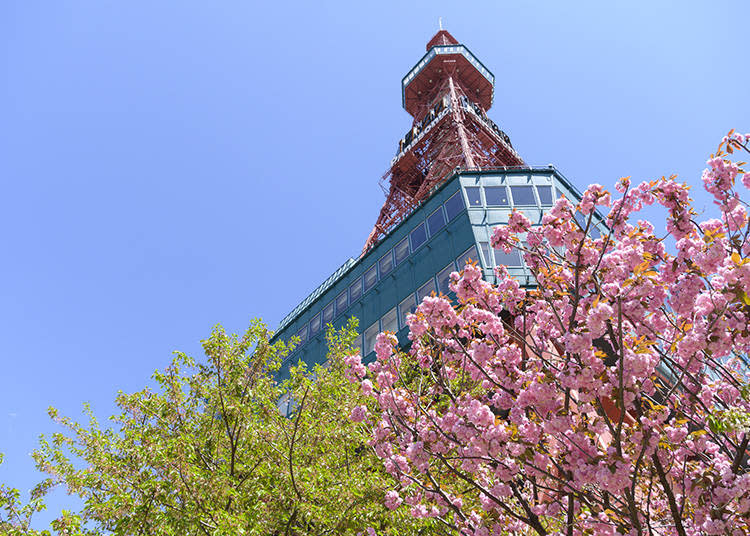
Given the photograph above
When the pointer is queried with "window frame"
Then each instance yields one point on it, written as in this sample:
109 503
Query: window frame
380 267
396 260
317 317
305 338
420 295
374 281
402 318
332 305
423 225
551 192
360 281
383 327
513 251
375 325
427 221
339 310
534 200
468 200
462 265
460 198
450 268
498 187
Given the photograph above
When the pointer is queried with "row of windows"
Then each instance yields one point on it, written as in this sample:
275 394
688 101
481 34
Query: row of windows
395 318
513 259
520 196
383 266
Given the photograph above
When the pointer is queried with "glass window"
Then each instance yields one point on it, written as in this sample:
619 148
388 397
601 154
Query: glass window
371 277
284 404
595 232
469 254
472 193
426 290
357 344
545 194
315 325
484 247
497 196
444 278
508 259
371 334
523 195
302 334
389 322
581 219
407 305
436 221
328 313
386 263
401 251
454 205
355 290
418 236
342 301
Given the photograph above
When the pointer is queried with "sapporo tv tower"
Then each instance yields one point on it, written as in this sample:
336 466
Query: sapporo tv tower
448 94
454 178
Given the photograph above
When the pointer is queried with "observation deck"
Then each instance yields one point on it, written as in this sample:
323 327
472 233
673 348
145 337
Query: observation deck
419 85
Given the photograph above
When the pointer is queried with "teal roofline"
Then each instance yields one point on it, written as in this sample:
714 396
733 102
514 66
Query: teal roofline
434 52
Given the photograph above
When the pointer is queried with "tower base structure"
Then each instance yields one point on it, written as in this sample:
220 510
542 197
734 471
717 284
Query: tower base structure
451 227
454 178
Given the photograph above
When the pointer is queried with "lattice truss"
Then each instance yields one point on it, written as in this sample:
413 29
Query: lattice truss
459 136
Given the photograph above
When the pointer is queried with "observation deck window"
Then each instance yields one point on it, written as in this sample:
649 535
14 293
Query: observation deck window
484 247
315 325
545 195
342 301
371 277
454 205
355 290
512 259
371 334
407 305
444 279
418 236
386 263
497 196
426 290
523 195
474 196
302 334
389 322
581 219
469 254
436 221
401 251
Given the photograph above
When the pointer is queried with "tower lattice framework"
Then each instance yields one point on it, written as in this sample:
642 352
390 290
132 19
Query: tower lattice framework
448 94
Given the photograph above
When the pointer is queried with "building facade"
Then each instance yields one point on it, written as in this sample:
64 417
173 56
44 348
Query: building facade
455 177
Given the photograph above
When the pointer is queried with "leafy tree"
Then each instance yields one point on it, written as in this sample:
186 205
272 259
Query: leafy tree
209 453
610 398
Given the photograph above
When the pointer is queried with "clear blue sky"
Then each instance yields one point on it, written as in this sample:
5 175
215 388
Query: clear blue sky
166 166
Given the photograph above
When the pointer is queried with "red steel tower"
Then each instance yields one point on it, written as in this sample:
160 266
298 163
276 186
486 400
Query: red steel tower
448 94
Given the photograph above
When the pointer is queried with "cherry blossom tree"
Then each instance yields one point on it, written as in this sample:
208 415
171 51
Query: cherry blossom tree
611 397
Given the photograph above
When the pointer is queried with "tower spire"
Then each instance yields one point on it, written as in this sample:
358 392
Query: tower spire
448 94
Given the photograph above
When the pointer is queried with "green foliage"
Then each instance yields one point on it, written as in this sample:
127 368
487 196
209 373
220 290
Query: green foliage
208 452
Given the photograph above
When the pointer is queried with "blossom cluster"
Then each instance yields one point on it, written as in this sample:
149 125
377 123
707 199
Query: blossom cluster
611 397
